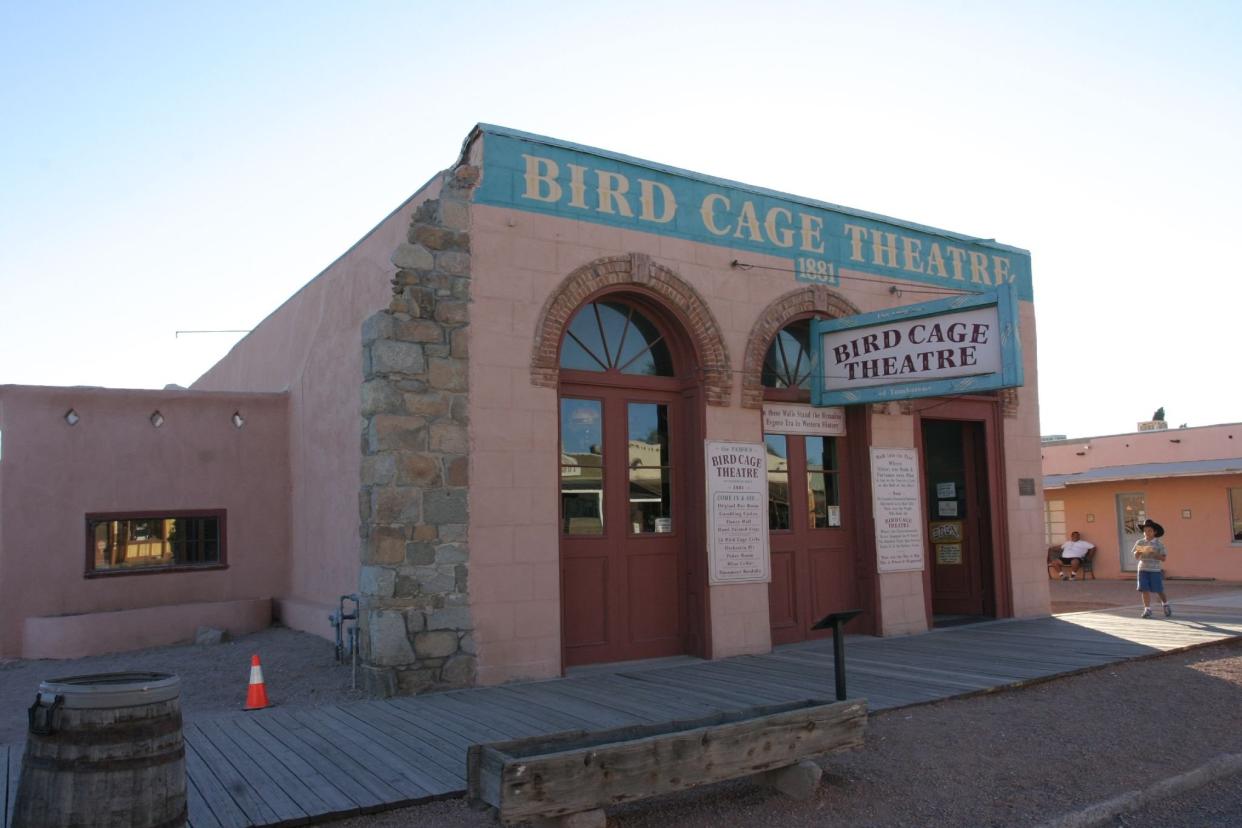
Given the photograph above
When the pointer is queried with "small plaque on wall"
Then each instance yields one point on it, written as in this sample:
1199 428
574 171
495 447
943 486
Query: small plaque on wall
1026 485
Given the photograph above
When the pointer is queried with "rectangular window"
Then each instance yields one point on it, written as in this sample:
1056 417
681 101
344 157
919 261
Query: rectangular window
143 542
1235 514
1054 522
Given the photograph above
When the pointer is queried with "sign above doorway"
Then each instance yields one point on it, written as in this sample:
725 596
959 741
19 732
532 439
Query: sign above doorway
960 345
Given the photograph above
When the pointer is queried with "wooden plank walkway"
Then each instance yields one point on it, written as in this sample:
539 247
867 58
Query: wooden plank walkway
294 766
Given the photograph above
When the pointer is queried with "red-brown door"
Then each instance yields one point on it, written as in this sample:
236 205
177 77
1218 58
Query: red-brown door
813 566
954 455
623 524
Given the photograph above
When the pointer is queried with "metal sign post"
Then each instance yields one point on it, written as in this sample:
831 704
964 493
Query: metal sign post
836 621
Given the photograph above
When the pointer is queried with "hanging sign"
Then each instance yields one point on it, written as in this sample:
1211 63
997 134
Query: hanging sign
960 345
898 516
737 513
793 418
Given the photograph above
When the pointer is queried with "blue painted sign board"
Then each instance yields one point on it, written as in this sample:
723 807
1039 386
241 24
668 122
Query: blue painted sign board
881 355
820 241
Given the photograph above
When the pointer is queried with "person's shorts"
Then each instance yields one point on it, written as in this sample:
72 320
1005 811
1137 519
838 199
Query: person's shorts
1068 561
1150 581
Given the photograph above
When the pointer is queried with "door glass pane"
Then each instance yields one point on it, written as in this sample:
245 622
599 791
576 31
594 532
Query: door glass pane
582 471
650 499
649 468
778 481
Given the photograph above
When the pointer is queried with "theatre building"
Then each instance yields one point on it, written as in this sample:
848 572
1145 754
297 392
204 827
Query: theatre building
561 407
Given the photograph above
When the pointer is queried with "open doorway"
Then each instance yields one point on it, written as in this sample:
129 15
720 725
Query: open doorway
961 554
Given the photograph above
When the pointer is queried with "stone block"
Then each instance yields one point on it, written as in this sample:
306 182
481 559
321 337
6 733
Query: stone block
377 326
379 469
379 682
460 410
420 554
448 374
417 470
390 644
455 215
453 262
449 438
385 546
796 781
210 636
443 506
451 618
452 532
392 432
430 404
380 397
435 644
452 312
396 504
376 581
419 330
415 620
467 645
412 257
435 580
412 682
458 671
424 532
451 553
457 471
461 579
390 356
433 238
459 343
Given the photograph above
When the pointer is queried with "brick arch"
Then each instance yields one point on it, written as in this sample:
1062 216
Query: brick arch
810 299
633 270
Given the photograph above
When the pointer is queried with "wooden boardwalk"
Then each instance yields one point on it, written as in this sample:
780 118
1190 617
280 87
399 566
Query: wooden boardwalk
294 766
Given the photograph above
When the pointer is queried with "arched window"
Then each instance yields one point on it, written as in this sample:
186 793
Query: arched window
787 365
615 337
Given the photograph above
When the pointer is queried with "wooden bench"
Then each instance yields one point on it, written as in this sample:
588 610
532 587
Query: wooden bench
568 778
1087 566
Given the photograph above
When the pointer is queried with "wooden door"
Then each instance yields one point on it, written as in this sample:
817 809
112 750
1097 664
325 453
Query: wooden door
813 567
623 524
955 462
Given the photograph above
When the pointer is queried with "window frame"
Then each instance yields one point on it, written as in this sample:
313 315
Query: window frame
1234 517
221 516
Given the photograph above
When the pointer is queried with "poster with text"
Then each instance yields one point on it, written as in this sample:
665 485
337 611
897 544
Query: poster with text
898 515
737 513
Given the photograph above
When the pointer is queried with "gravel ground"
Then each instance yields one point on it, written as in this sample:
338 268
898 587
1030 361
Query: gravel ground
1218 804
1015 758
299 670
1002 759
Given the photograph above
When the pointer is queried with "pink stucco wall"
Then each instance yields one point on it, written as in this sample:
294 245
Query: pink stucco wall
1166 446
518 259
114 460
1200 546
311 347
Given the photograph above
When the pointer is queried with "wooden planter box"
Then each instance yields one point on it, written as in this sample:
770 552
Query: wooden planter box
557 775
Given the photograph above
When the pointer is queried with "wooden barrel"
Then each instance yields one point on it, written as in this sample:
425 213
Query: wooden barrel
104 750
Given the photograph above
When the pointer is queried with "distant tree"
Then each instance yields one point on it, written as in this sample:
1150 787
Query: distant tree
1159 415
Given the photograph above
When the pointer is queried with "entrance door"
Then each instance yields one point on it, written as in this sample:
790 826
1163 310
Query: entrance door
1131 511
813 571
959 532
623 489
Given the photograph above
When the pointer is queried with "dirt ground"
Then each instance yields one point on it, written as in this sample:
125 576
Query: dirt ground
1016 758
299 670
1013 758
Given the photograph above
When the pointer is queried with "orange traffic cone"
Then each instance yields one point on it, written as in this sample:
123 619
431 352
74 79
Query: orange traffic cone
256 695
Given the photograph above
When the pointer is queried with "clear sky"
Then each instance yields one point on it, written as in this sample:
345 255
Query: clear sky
185 166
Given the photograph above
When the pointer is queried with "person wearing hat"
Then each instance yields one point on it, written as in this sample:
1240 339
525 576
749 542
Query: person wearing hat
1150 553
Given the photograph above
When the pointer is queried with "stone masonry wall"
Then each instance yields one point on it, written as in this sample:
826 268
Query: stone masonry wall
415 626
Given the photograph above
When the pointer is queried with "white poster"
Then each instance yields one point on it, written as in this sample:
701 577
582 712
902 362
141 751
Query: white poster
796 418
737 513
898 515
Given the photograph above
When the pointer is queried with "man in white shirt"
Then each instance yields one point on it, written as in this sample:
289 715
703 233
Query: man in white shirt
1073 551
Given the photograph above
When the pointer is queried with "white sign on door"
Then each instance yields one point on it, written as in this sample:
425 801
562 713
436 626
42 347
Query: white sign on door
737 513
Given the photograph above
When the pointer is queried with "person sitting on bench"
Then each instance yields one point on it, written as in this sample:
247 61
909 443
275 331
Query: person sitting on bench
1072 553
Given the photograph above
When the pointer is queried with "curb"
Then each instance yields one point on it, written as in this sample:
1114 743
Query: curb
1103 812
